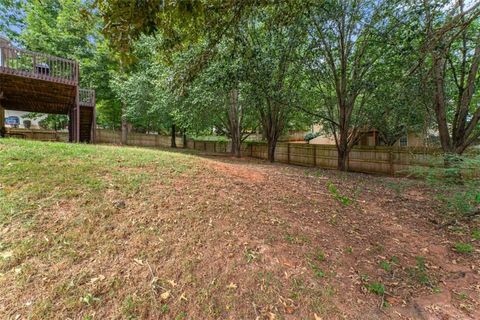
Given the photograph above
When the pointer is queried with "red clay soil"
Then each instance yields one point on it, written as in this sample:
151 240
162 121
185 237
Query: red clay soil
250 240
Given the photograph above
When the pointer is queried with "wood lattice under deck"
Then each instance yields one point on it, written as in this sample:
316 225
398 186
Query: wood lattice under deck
36 82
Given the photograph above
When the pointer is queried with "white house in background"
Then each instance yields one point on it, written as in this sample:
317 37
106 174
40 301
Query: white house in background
19 115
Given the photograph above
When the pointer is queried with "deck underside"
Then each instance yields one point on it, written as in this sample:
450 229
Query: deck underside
36 95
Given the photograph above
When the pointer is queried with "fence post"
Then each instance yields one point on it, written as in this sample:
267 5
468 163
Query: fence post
390 161
214 146
194 144
288 152
205 145
314 155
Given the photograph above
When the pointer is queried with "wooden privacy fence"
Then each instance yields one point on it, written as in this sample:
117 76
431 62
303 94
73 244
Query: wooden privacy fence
136 139
384 160
37 134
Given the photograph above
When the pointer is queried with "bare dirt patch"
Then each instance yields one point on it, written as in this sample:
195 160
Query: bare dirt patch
243 239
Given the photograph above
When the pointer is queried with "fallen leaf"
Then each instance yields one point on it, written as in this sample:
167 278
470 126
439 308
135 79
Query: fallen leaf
289 310
317 317
140 262
172 283
232 286
183 297
165 295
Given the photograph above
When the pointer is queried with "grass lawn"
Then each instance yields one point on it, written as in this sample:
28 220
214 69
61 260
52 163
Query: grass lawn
103 232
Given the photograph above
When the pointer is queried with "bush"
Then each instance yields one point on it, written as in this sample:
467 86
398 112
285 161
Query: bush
311 135
457 184
27 124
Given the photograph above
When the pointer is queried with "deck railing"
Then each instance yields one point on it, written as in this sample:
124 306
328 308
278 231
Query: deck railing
37 65
86 97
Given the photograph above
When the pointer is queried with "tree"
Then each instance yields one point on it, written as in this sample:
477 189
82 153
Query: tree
272 50
451 55
399 103
11 18
221 90
343 52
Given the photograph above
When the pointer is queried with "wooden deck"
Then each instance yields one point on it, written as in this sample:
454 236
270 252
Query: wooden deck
37 82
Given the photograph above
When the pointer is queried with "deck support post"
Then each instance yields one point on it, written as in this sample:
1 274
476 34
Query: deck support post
77 115
2 120
93 134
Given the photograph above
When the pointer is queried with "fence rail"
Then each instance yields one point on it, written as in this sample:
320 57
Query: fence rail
37 65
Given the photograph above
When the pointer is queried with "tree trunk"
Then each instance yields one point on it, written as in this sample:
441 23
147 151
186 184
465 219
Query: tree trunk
271 145
236 148
174 134
235 123
124 136
184 138
273 122
343 150
342 163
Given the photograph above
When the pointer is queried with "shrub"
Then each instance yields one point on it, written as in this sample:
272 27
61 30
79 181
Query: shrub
27 124
457 183
311 135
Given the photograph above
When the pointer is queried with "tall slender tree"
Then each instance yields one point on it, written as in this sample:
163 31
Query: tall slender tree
451 55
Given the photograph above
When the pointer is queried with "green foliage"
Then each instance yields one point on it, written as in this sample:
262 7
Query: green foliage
376 288
336 194
165 308
89 299
317 271
49 121
457 184
476 234
320 255
463 247
385 265
419 272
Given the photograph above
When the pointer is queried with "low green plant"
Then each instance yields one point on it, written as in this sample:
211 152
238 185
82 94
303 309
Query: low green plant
337 195
320 255
89 299
317 271
165 308
463 247
395 260
455 179
377 288
476 234
419 272
251 255
385 265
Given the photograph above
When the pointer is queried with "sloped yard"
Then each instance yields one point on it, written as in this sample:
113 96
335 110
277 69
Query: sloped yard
99 232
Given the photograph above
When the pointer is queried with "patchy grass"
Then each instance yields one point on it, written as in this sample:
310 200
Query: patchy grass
99 232
463 247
